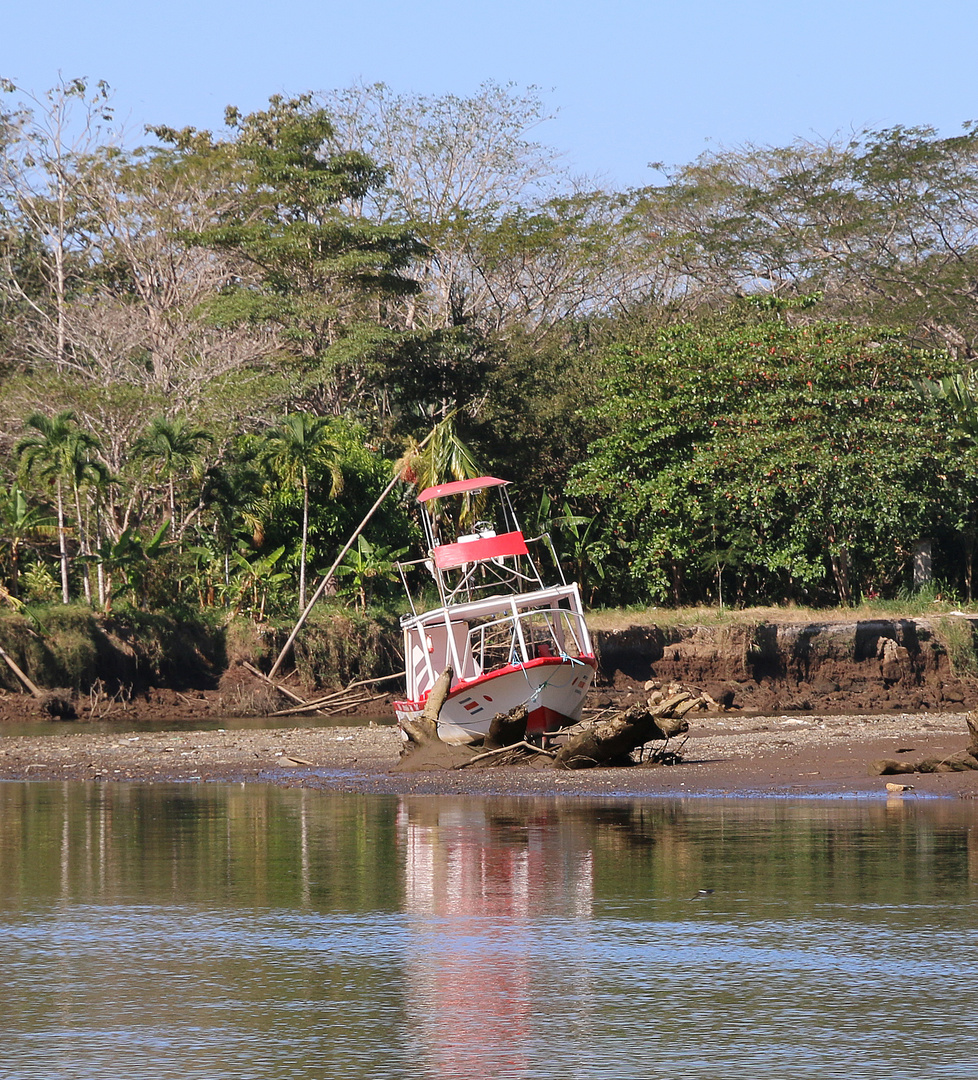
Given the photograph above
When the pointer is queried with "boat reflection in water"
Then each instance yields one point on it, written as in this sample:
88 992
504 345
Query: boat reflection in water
485 887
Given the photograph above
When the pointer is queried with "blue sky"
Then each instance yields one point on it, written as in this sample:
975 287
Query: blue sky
631 82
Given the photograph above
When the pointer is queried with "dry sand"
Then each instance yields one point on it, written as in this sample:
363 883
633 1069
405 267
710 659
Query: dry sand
726 755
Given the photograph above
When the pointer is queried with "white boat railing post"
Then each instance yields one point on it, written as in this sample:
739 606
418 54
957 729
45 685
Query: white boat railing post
427 654
518 626
453 645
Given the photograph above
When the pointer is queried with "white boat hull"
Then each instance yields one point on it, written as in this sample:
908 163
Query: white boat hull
553 689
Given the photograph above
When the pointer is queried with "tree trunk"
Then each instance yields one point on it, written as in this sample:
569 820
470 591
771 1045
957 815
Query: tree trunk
305 541
507 728
63 547
83 546
321 588
425 729
613 739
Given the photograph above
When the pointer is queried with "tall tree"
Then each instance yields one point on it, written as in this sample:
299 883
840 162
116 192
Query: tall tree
454 166
48 139
61 455
884 223
176 445
300 448
317 271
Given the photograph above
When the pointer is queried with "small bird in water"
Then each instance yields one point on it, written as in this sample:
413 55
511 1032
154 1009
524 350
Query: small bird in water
701 895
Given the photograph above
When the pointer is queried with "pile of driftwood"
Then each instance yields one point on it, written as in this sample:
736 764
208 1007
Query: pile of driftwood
332 704
603 741
961 761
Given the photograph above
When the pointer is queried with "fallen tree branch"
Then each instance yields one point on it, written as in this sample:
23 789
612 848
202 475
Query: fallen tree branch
500 750
606 741
271 682
425 729
35 690
342 706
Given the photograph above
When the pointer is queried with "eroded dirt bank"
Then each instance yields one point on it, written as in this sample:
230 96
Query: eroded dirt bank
876 665
865 666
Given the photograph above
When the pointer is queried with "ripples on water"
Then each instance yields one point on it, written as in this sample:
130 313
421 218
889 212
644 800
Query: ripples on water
231 932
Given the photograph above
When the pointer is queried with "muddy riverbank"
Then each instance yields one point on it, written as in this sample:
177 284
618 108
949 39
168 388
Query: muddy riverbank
793 666
725 755
807 706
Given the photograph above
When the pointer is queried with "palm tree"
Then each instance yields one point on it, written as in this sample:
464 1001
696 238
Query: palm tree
177 446
439 459
60 453
302 446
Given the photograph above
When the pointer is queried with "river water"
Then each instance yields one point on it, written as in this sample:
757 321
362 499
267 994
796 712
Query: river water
233 932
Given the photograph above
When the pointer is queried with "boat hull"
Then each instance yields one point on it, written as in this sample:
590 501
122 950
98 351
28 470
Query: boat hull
552 688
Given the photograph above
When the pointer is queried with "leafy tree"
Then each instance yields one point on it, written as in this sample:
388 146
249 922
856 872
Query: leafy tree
884 223
315 269
798 462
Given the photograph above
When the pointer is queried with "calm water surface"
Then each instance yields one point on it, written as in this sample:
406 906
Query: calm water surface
248 932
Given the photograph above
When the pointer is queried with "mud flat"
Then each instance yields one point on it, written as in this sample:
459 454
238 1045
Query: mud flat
729 755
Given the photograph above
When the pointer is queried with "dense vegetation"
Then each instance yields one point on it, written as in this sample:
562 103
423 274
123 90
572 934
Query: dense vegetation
750 383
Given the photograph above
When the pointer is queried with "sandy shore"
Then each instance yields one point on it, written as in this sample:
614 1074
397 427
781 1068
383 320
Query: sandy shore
727 755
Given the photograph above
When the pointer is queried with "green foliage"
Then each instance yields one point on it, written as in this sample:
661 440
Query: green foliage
22 528
881 222
958 638
133 557
791 463
387 261
256 582
370 568
338 647
314 261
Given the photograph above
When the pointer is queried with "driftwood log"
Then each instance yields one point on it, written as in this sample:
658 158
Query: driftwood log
34 690
507 729
603 742
961 761
424 730
614 739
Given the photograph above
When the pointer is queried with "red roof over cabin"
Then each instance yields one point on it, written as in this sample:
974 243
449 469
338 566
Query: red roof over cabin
459 487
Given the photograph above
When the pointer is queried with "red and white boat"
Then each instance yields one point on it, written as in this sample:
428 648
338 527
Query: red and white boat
509 637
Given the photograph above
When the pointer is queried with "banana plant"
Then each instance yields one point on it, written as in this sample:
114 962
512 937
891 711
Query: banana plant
366 566
256 582
131 556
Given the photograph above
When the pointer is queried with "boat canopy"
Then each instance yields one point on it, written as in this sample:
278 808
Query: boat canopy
460 487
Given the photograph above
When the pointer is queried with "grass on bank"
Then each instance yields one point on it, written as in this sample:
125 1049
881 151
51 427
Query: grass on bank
923 605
